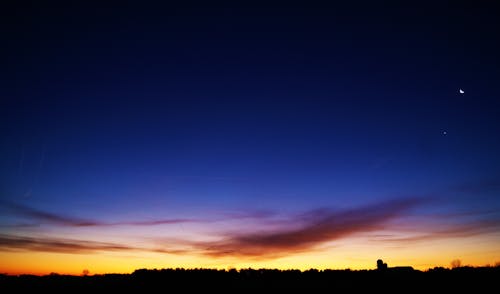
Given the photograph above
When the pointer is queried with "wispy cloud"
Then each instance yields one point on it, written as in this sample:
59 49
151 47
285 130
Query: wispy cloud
275 236
458 230
248 214
37 216
46 217
155 222
10 242
318 227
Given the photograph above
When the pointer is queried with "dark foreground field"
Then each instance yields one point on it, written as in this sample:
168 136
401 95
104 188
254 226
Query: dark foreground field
259 281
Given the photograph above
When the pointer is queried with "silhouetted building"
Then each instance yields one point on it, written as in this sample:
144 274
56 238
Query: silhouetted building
402 268
381 265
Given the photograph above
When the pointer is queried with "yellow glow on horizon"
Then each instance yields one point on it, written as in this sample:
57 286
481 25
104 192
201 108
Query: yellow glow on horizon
353 253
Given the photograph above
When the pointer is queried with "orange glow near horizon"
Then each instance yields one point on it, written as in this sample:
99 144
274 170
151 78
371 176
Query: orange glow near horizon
353 253
353 238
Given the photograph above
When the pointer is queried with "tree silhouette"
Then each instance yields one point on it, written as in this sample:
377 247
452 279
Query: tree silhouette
456 263
199 280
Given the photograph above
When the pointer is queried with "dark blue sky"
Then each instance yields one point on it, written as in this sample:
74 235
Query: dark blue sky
132 109
283 98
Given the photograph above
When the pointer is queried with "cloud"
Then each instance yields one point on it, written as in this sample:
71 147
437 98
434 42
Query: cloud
459 230
37 217
155 222
40 216
318 226
248 214
10 242
47 217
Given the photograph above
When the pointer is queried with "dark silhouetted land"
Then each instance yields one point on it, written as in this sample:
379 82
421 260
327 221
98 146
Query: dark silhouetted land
391 280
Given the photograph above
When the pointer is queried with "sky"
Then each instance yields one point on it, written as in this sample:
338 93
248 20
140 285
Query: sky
136 135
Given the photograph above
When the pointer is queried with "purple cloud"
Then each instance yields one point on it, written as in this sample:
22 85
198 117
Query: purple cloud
10 242
43 216
40 216
459 230
318 227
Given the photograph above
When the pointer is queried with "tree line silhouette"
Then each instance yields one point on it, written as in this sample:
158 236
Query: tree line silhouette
384 279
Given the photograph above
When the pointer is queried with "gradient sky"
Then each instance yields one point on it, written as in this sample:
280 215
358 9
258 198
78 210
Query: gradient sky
154 136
